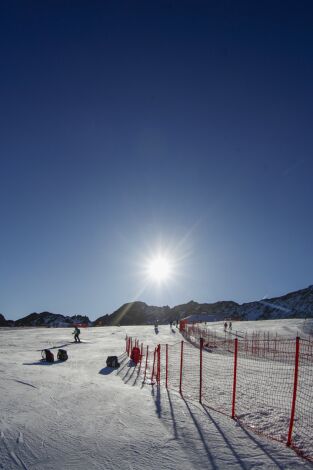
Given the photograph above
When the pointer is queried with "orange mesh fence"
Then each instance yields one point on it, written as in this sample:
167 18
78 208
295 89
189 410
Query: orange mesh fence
218 365
265 389
174 351
302 437
265 383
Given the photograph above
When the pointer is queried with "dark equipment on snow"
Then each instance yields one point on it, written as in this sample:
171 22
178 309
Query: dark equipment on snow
47 355
112 361
62 355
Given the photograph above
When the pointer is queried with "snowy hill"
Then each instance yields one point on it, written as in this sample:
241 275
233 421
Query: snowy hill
51 320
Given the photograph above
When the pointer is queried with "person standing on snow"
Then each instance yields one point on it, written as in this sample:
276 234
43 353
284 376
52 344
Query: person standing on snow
76 334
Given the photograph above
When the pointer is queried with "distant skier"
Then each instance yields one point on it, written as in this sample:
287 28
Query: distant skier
171 324
230 325
225 326
76 334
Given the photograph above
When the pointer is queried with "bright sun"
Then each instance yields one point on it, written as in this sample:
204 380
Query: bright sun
159 269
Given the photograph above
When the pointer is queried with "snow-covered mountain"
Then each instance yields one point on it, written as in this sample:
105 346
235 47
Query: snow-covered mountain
298 304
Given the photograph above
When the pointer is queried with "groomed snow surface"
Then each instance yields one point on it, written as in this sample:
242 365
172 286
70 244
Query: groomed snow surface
81 415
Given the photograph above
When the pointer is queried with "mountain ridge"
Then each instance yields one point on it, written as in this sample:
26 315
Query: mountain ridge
296 304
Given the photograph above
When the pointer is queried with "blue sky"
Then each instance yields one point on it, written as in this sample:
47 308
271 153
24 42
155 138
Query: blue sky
128 128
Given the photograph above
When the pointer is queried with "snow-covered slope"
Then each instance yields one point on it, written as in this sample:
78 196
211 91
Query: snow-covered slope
287 328
81 415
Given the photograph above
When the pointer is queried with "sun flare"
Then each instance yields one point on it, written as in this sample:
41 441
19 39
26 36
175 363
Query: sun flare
159 268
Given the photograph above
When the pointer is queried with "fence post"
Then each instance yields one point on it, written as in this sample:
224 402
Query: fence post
181 367
159 364
141 354
295 386
200 391
147 353
234 379
152 373
166 366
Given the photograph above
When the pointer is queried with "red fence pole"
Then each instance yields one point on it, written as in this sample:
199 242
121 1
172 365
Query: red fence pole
159 364
181 366
200 386
295 386
166 366
152 373
147 353
141 353
235 378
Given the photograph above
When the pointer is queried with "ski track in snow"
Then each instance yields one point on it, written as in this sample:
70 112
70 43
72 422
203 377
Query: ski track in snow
78 415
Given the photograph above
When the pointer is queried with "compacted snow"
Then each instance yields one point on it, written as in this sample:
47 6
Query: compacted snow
81 415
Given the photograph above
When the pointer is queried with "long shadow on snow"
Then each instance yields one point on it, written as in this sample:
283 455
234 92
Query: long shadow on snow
106 370
172 414
203 431
42 363
128 376
157 398
250 435
263 447
227 441
55 347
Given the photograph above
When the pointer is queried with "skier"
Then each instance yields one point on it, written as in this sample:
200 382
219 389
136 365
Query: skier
76 334
230 325
171 324
225 326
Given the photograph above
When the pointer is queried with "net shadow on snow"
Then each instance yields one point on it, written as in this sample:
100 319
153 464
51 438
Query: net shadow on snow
127 370
202 428
129 375
251 436
179 431
227 441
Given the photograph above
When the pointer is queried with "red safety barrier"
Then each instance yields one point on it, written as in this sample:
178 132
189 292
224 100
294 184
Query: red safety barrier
200 372
247 379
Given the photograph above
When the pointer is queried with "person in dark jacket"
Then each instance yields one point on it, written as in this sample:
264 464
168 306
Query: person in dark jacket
76 334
